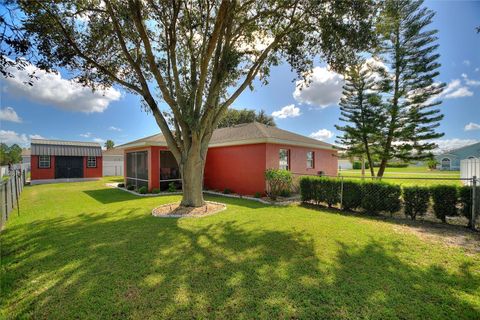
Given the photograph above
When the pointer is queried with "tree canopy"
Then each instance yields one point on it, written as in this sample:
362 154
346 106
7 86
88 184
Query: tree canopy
109 144
192 59
234 116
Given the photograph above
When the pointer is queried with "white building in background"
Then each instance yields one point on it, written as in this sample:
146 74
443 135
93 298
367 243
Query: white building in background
113 162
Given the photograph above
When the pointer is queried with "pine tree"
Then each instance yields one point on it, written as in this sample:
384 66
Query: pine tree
360 108
408 49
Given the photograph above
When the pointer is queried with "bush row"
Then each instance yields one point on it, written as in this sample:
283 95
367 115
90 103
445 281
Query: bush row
358 165
378 196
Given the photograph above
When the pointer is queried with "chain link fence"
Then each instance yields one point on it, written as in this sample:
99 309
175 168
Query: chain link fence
449 200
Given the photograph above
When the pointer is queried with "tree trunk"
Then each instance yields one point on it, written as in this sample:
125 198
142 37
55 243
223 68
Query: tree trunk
192 168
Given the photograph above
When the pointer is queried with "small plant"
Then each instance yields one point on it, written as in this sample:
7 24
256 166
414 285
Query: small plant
257 195
155 190
172 187
130 187
121 185
278 181
142 190
432 164
416 201
227 191
285 193
444 201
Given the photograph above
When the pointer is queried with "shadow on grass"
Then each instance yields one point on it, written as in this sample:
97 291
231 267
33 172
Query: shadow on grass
110 195
123 264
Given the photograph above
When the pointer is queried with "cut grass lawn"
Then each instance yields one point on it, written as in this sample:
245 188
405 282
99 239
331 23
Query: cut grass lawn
420 175
83 250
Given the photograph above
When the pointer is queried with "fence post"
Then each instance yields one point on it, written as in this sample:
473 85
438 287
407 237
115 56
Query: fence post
341 193
474 200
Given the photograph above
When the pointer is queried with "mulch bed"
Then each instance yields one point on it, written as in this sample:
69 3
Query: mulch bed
174 210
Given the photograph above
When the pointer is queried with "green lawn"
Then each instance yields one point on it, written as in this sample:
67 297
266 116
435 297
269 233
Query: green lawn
82 250
420 175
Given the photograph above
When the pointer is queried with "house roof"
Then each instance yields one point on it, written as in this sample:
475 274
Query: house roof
248 133
113 152
65 148
454 152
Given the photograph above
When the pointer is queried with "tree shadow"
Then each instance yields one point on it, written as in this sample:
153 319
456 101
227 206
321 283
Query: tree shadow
123 264
110 195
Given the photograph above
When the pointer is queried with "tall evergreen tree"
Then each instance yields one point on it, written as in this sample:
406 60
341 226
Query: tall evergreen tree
360 108
408 49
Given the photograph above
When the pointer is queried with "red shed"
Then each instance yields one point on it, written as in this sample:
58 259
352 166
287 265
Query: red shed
237 158
64 160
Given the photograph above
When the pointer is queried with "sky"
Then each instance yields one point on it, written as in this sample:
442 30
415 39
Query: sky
56 108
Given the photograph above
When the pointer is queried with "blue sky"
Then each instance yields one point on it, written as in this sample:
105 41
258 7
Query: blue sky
57 109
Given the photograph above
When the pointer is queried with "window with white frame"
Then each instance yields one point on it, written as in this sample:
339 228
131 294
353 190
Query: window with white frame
284 162
91 162
310 159
44 162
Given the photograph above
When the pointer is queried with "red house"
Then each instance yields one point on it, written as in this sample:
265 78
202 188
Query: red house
64 160
237 158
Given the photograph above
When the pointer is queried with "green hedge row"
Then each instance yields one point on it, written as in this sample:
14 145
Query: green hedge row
378 196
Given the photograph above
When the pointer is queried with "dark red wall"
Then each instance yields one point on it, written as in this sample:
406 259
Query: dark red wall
238 168
49 173
93 172
39 174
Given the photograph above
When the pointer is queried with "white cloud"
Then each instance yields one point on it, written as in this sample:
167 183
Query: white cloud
12 137
289 111
451 144
52 89
466 62
9 114
99 140
86 135
477 69
470 82
472 126
114 128
322 134
454 89
324 89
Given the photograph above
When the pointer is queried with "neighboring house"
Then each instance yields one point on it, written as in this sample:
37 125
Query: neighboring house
237 158
113 162
26 156
344 164
54 159
450 160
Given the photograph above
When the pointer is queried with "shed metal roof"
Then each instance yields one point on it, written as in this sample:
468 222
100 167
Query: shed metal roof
65 148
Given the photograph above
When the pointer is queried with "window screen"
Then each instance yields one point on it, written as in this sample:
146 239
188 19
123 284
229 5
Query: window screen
137 168
44 161
284 162
310 159
91 162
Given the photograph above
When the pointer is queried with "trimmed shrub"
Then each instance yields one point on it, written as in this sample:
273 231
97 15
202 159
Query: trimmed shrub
465 198
227 191
358 165
278 181
397 165
416 201
155 191
121 185
142 190
130 187
257 195
444 201
352 194
320 189
378 196
172 187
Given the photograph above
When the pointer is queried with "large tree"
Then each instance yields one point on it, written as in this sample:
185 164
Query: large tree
192 58
407 46
109 144
233 117
361 111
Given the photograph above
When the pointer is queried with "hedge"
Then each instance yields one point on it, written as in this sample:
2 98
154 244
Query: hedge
352 195
465 199
320 190
381 196
444 201
416 200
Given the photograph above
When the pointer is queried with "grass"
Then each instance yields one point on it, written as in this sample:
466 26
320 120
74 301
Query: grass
82 250
403 176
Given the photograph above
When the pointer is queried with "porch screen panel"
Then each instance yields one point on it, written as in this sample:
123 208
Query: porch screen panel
137 168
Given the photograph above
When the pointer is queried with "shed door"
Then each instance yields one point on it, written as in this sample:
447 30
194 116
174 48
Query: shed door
68 167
